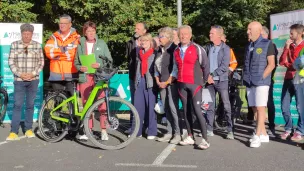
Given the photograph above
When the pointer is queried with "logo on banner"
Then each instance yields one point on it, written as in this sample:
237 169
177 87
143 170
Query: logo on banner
5 35
121 92
17 35
285 25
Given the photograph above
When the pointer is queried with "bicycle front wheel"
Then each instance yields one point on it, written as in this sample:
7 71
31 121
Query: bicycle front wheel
115 132
52 130
3 103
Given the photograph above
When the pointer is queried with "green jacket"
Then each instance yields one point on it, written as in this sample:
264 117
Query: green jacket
301 52
100 48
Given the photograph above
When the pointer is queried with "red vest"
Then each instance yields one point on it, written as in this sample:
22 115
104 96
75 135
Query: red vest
189 69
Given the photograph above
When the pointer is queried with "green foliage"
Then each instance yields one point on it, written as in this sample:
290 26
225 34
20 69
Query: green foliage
16 11
116 18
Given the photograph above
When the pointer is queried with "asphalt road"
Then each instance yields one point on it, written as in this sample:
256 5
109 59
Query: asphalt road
143 155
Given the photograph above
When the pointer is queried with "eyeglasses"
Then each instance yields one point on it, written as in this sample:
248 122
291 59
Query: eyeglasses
161 37
64 23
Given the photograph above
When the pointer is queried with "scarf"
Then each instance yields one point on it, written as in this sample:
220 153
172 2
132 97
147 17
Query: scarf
144 60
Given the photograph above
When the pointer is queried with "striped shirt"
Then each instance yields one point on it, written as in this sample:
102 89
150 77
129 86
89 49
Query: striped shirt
24 59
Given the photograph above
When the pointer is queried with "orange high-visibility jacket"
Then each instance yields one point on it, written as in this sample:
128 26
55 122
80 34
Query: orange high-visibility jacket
233 62
61 54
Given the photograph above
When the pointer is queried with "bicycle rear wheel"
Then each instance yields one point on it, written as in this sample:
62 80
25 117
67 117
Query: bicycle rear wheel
3 103
123 126
236 106
52 130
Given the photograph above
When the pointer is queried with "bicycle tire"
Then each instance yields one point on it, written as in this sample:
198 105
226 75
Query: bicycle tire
3 106
41 114
89 132
237 109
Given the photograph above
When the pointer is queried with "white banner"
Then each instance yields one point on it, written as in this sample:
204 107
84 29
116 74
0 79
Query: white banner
9 33
279 31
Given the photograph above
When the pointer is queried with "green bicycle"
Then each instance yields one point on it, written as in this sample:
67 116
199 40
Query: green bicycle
60 115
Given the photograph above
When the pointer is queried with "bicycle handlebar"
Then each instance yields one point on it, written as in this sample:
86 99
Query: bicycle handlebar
105 73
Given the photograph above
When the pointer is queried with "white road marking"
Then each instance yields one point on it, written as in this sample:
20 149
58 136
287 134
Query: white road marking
158 162
162 157
154 165
5 142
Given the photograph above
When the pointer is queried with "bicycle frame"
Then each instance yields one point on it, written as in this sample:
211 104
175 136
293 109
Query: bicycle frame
100 85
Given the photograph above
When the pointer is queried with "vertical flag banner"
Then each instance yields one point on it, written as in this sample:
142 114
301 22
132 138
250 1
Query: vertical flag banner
279 29
9 33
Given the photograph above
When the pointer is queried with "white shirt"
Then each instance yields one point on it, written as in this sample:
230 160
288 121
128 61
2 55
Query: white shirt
90 48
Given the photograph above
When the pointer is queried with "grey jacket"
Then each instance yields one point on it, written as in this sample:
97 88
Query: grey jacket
150 73
223 61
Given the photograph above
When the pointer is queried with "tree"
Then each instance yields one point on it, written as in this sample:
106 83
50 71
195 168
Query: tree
116 18
16 11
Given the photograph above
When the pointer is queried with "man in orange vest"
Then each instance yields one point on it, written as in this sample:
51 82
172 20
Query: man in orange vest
233 62
61 50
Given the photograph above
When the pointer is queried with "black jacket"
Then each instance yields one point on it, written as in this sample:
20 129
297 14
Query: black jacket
131 56
167 61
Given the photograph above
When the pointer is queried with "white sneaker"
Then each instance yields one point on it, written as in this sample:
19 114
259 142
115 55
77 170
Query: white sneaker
210 133
251 137
104 136
187 141
82 137
255 142
264 138
151 137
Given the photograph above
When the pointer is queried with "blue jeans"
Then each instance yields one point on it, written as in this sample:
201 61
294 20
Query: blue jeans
300 107
288 91
27 89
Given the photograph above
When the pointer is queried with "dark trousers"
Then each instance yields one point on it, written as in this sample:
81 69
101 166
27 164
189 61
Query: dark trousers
222 88
271 107
27 90
250 114
144 102
132 90
63 85
191 93
169 97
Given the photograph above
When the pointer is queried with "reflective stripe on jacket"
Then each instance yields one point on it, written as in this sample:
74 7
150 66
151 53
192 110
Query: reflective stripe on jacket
62 54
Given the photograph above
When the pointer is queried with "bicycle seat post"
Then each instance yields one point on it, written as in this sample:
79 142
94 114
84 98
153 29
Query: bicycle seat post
74 86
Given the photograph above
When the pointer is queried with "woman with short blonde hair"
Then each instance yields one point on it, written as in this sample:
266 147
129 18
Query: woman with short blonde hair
145 94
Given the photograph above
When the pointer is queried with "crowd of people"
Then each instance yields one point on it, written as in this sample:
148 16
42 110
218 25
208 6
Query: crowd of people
170 65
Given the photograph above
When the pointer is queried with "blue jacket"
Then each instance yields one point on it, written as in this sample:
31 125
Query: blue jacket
254 67
223 61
